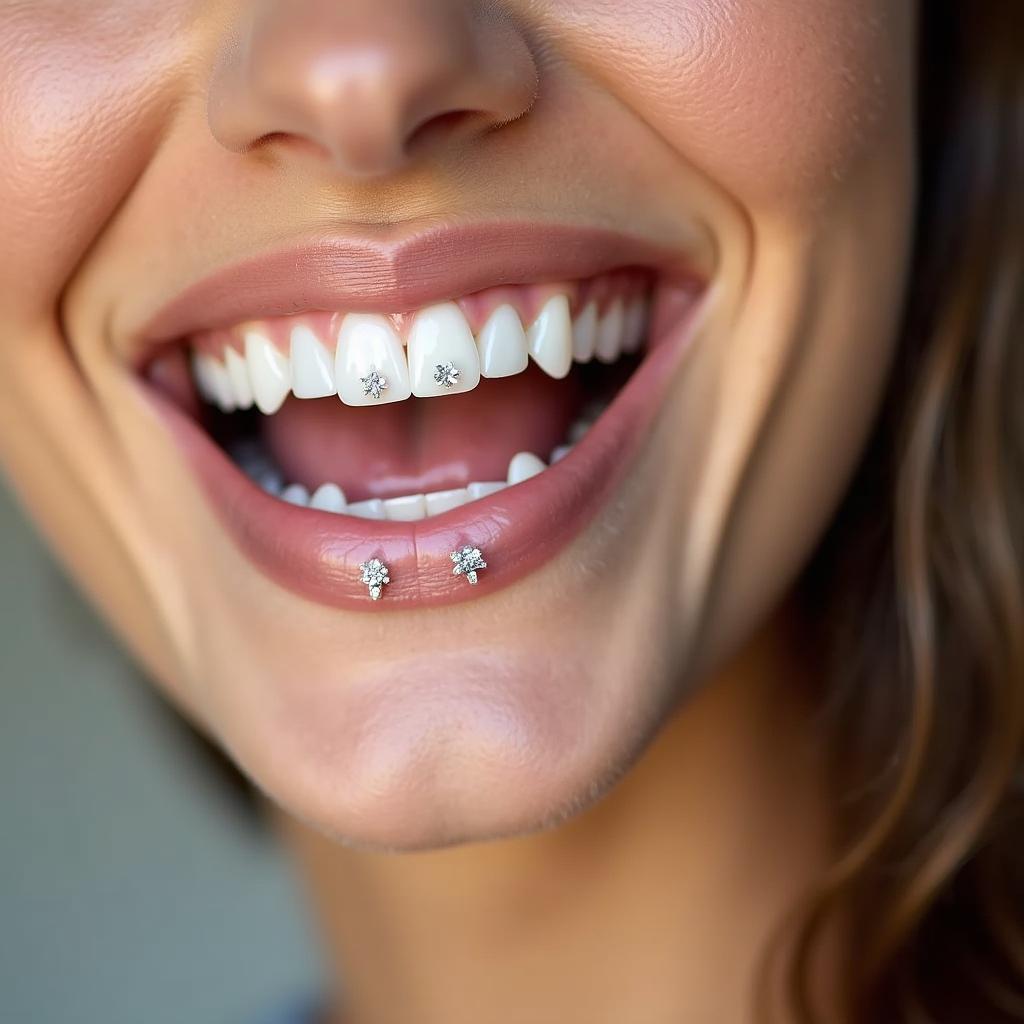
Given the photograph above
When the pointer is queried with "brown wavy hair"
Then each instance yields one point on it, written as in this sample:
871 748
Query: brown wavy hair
919 584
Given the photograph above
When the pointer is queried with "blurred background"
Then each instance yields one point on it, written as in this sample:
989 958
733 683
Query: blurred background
131 887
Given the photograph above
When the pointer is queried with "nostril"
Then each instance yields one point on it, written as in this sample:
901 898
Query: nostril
442 127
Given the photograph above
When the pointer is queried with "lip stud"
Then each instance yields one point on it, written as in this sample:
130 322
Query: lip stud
447 374
373 383
468 561
375 574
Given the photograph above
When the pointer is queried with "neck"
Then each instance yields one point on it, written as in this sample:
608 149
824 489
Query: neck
656 904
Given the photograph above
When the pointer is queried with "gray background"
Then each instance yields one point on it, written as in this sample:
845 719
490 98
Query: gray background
130 891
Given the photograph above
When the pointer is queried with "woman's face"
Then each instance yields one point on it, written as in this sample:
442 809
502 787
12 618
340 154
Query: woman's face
284 202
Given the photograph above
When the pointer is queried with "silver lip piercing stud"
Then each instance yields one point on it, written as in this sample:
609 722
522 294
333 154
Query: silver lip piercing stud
447 374
468 561
374 384
375 574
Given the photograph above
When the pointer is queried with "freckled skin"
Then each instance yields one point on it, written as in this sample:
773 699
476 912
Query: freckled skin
146 145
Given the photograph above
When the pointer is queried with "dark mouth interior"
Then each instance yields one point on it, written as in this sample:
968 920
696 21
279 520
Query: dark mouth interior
419 445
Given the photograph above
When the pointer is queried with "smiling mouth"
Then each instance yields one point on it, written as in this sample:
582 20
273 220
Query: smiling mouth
496 422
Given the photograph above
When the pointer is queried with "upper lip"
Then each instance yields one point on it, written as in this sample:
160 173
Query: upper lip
380 275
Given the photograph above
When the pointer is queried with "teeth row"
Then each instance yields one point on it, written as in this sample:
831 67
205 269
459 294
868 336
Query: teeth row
439 335
331 498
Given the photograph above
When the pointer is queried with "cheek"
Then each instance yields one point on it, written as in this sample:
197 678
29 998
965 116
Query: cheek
84 89
773 101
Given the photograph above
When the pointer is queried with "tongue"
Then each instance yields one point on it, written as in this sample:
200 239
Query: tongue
421 445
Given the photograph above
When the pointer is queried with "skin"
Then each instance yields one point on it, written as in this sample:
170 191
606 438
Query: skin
146 145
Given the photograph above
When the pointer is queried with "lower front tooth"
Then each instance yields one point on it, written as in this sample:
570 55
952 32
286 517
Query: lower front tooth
295 494
373 508
328 498
406 509
560 453
524 466
484 489
445 501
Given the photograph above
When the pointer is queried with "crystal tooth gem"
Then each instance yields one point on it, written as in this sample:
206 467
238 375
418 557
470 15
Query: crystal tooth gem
375 574
468 561
373 383
447 374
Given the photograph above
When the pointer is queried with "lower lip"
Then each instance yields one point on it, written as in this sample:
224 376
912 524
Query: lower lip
317 555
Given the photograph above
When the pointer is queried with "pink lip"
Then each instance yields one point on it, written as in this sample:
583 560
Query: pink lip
317 554
380 276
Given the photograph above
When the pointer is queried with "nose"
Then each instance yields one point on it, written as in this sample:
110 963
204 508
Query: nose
369 85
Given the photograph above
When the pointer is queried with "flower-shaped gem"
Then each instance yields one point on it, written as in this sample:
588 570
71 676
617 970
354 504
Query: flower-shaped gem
375 576
373 383
447 374
468 561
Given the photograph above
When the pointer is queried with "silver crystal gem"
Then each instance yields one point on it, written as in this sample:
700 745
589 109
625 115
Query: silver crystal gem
447 374
468 561
375 576
373 383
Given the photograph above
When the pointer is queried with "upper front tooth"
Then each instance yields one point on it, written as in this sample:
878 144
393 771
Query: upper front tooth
523 466
584 334
269 372
550 337
609 333
312 372
212 381
635 322
502 344
366 343
440 336
238 374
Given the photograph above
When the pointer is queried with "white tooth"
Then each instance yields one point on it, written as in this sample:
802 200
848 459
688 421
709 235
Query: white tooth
203 375
328 498
368 342
584 334
523 466
444 501
295 494
550 337
269 372
406 509
219 383
440 335
238 375
609 334
560 453
312 372
485 489
636 321
578 431
271 482
502 344
372 508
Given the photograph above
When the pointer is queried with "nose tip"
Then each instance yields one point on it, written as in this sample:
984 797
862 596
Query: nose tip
368 85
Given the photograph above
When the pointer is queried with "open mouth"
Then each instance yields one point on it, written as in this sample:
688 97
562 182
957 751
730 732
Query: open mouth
438 408
333 440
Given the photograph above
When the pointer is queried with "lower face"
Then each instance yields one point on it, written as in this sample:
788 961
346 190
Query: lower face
433 517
